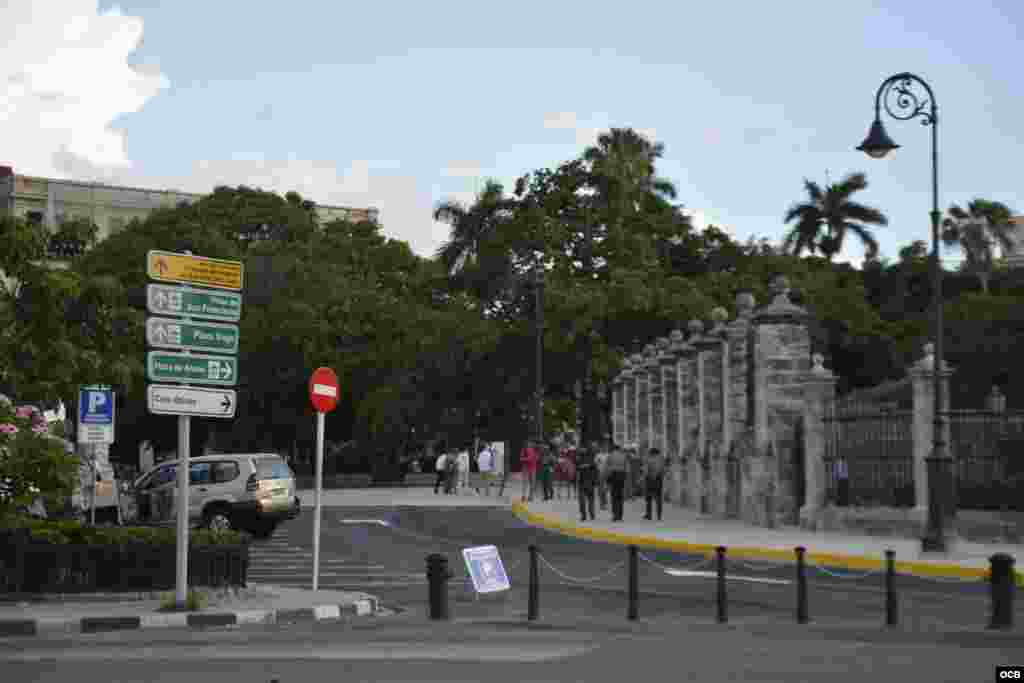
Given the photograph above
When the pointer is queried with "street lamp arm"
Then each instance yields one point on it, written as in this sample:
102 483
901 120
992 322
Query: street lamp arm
902 103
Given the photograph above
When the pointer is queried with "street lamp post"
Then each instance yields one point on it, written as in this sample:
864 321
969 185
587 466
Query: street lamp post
897 94
539 388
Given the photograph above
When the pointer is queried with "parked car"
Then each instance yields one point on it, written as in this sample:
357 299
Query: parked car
251 492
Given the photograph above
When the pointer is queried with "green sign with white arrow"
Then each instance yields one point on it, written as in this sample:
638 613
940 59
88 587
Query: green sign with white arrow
164 366
168 333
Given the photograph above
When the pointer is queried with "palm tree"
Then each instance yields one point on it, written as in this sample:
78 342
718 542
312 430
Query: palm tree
833 213
977 231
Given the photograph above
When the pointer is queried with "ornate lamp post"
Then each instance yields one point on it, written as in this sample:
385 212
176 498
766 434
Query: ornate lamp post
897 94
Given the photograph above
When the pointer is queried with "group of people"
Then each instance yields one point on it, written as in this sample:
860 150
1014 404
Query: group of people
611 472
453 466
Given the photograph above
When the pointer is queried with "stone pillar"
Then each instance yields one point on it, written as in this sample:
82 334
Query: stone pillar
618 407
921 376
684 382
781 362
633 401
711 348
740 413
694 416
643 441
820 393
657 395
669 380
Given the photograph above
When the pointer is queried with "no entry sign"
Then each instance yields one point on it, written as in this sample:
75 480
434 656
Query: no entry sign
323 390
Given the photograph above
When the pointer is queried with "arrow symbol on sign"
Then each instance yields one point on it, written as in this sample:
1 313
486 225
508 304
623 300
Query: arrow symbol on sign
161 300
161 265
225 371
160 333
226 403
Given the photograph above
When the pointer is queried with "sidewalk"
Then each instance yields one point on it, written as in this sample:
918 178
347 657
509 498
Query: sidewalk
256 604
683 530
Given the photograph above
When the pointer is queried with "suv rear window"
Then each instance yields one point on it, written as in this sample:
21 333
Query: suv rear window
273 468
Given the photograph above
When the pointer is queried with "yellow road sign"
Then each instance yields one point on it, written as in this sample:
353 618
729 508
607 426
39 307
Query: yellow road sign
168 266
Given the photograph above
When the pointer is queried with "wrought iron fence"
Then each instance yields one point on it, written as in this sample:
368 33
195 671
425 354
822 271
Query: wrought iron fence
988 452
869 456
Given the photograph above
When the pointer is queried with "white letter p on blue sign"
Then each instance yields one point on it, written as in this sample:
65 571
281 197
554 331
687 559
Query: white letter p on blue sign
96 400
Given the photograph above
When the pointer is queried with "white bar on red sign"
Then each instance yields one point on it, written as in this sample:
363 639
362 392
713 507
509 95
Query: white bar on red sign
325 390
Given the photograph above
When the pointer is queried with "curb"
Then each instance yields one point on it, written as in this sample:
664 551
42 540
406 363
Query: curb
32 627
826 560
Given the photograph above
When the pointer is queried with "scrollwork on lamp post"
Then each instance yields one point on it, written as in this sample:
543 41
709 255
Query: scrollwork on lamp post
899 95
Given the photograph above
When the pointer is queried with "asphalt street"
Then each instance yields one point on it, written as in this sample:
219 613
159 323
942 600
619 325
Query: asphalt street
383 551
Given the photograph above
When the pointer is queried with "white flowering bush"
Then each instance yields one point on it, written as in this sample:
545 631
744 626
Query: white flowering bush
33 462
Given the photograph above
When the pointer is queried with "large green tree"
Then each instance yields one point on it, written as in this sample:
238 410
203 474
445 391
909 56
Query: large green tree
828 216
978 230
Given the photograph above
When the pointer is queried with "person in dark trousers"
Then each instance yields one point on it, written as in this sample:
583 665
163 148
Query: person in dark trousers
842 474
586 475
440 465
617 467
654 480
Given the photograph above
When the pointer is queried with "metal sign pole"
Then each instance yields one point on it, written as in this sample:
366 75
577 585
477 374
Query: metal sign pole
181 582
319 487
93 473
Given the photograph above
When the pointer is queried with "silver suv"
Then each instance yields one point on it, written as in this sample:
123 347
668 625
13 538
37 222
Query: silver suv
252 492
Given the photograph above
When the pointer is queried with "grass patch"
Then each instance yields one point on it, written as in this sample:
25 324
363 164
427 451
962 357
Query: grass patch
195 600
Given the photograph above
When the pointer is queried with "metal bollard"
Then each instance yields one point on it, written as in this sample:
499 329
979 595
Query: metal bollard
533 606
1002 588
634 583
437 585
891 610
722 597
801 586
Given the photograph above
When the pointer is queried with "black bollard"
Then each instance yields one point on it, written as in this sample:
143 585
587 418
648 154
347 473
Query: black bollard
533 607
1002 589
722 597
437 585
891 611
801 586
634 583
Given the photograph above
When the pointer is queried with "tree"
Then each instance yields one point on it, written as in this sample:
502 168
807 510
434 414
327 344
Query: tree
977 231
823 222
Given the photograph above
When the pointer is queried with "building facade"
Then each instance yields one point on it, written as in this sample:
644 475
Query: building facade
111 207
1015 257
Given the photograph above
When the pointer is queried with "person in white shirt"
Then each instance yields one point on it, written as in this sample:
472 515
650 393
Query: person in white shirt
485 463
462 462
439 467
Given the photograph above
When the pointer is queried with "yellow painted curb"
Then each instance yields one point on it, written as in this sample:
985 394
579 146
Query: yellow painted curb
856 562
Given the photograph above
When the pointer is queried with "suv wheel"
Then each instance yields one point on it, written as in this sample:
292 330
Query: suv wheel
263 530
217 519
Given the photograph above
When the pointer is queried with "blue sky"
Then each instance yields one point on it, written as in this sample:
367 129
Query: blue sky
400 104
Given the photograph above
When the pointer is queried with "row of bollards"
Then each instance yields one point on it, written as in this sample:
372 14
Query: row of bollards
1002 586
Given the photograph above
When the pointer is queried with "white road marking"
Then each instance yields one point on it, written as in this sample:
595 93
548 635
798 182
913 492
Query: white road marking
364 521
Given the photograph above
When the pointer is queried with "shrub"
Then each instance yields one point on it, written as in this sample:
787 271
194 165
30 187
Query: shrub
33 462
73 532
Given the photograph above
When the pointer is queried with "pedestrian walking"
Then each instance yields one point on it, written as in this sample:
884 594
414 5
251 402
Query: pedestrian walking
842 474
451 473
633 474
617 468
441 469
485 463
546 473
586 475
601 464
462 467
529 458
654 480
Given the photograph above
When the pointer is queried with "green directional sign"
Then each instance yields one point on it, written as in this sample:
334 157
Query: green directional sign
166 366
193 303
168 333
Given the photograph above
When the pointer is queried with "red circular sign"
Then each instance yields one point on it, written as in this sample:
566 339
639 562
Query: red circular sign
323 390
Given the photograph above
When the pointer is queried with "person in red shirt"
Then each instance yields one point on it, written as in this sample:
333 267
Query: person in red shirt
529 457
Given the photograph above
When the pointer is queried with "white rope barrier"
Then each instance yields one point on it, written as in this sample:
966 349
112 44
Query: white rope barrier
669 570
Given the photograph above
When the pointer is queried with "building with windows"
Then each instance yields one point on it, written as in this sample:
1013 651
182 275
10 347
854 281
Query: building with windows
1015 257
111 207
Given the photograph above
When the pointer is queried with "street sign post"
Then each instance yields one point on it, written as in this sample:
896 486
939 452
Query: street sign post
485 568
323 394
168 266
168 366
95 415
193 401
193 303
182 367
168 333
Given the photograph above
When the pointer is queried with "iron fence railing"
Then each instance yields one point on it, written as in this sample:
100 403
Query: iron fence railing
869 456
987 448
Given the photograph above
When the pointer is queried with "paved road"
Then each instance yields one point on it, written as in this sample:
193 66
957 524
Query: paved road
383 550
406 649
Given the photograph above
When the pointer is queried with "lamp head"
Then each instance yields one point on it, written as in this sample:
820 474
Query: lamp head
878 143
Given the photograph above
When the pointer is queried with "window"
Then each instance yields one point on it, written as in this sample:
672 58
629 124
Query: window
272 468
165 474
224 472
199 473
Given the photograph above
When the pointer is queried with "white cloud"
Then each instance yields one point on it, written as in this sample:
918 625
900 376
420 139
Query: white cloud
64 79
560 120
461 169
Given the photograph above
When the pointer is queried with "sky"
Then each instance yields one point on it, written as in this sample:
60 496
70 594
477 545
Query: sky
401 105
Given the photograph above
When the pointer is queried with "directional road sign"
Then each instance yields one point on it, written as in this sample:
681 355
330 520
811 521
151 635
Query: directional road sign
168 266
168 333
193 303
195 401
166 366
95 415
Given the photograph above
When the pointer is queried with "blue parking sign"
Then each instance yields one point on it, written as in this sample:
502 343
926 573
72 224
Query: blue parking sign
95 415
485 568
